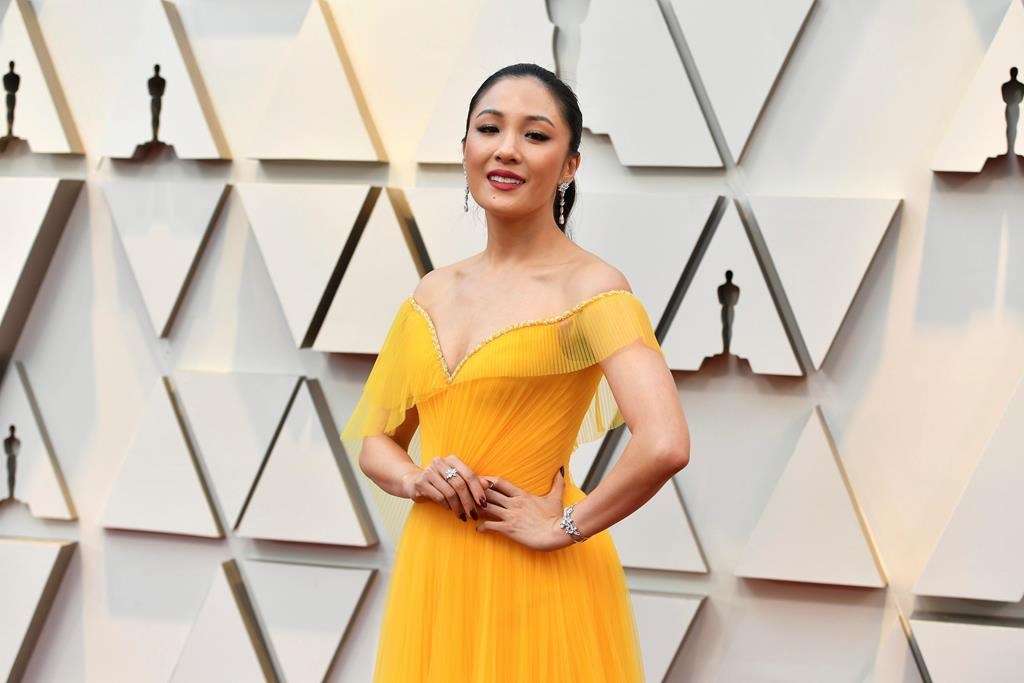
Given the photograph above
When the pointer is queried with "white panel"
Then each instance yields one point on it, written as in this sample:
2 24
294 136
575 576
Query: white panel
36 117
218 647
504 33
381 264
162 226
648 236
978 130
757 332
821 248
25 202
301 494
660 517
183 123
955 653
234 417
449 233
301 230
304 610
627 55
28 567
38 480
810 531
312 113
158 487
662 622
980 554
739 47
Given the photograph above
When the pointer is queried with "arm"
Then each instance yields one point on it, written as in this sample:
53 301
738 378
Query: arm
659 447
385 459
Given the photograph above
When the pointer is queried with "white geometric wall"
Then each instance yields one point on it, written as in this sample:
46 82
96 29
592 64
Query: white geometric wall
849 503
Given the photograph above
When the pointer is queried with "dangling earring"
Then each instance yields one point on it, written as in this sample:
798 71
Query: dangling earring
465 202
562 187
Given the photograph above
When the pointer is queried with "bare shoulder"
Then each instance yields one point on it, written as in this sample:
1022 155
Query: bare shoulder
438 281
594 276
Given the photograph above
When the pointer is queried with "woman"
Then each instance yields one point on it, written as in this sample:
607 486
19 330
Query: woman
505 362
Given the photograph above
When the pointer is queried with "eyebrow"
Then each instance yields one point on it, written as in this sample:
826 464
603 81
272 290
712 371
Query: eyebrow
530 117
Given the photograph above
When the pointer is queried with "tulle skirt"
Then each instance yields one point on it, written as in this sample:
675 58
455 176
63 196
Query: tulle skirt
466 606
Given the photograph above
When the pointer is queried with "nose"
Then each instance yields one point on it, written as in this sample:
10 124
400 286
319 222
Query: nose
508 147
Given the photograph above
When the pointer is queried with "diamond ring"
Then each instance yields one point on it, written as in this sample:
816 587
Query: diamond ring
449 473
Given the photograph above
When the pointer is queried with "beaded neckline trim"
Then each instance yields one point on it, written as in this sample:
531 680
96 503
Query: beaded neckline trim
450 375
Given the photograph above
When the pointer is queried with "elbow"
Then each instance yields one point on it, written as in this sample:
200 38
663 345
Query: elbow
675 453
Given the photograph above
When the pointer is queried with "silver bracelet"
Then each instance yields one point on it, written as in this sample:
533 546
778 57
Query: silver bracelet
569 527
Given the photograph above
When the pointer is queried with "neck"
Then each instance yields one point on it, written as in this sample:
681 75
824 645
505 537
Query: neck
513 242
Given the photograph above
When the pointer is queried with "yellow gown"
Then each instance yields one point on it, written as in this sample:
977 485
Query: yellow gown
466 606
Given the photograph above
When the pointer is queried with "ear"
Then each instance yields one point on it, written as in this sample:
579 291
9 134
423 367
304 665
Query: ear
572 166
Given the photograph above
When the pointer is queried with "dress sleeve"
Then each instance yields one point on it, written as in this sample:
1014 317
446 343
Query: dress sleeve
388 392
604 327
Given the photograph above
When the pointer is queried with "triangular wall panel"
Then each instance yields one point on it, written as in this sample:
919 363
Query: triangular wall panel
234 417
449 233
757 331
382 264
810 530
663 230
980 555
316 110
187 121
627 55
739 47
960 652
306 491
158 486
821 248
35 213
663 621
305 611
302 230
500 31
41 113
978 129
32 573
38 482
224 643
164 227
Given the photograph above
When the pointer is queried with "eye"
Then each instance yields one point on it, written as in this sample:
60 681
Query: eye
490 128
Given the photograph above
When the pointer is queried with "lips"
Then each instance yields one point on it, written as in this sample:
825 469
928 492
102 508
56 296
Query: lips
509 182
506 174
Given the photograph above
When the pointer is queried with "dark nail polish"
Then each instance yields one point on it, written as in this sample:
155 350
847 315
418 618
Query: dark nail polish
483 502
472 513
562 470
462 515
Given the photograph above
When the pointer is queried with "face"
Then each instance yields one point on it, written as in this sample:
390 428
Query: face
516 131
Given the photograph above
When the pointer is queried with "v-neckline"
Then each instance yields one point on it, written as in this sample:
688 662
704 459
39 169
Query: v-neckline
450 374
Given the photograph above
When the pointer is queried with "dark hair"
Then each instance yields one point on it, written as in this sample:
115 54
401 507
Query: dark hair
567 103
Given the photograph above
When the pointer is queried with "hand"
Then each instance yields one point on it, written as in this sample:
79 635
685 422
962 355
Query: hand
525 518
462 494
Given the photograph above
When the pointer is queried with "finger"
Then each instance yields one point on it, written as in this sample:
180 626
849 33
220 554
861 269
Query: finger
465 506
450 496
494 512
506 487
476 491
484 527
498 498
